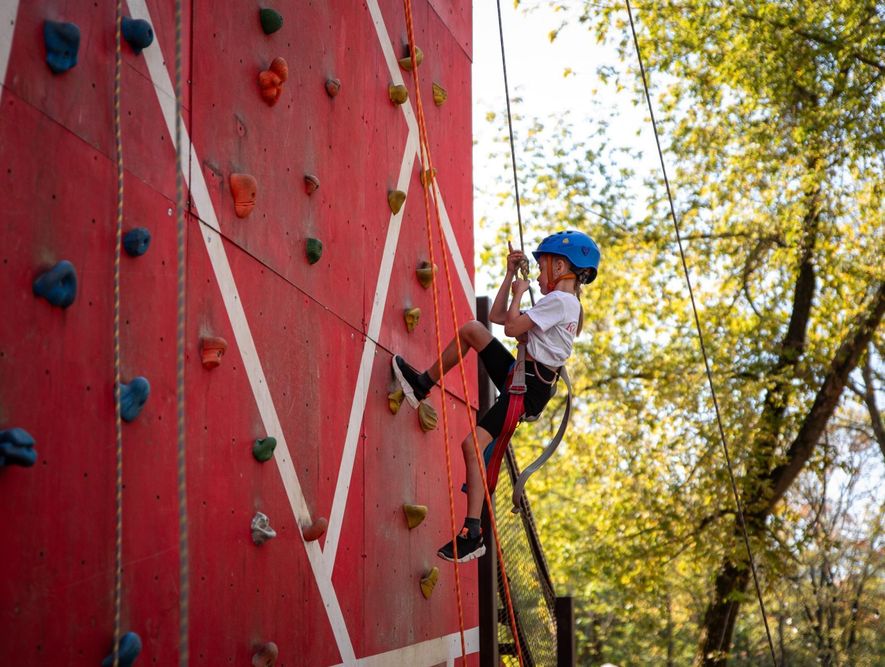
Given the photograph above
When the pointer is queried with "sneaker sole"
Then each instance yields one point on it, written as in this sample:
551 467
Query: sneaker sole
465 559
408 391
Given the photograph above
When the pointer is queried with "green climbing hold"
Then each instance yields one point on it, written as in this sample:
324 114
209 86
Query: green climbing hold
271 20
263 448
314 250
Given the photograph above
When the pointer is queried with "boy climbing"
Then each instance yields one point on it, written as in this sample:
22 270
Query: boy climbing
566 261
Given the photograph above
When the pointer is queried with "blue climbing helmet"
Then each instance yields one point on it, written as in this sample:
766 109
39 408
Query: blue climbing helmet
578 248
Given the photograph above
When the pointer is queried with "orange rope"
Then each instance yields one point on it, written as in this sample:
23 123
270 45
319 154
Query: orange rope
429 187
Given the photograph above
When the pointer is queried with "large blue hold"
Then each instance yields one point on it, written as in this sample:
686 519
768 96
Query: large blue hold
138 33
17 448
62 44
136 241
130 648
133 396
58 285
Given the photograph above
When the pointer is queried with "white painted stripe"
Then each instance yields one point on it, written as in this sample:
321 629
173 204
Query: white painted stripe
358 407
8 14
424 654
246 344
396 76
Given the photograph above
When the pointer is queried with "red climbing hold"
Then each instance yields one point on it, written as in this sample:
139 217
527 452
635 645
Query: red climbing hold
244 188
333 87
271 80
212 349
315 530
311 183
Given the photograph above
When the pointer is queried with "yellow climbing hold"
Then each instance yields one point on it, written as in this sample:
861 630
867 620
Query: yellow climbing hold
427 416
415 514
425 273
412 315
396 199
426 176
395 400
428 582
398 94
406 61
439 95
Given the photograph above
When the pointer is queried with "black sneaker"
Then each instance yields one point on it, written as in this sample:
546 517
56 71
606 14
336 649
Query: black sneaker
469 548
410 380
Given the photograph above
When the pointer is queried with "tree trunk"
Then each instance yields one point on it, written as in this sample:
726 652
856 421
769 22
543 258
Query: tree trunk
718 627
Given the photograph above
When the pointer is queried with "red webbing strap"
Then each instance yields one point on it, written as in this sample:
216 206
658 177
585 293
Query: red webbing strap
514 414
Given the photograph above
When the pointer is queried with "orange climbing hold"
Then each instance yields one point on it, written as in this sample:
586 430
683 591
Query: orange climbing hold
244 189
212 349
266 655
315 530
270 81
411 316
397 94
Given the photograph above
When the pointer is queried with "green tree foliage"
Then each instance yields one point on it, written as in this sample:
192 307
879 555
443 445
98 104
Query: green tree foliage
770 112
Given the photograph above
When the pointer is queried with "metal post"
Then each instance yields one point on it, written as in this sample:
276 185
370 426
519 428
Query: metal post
487 567
565 631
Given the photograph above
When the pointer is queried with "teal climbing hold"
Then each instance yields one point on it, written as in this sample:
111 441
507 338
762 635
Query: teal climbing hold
271 20
58 285
133 396
62 44
138 33
314 249
130 648
136 241
17 448
263 448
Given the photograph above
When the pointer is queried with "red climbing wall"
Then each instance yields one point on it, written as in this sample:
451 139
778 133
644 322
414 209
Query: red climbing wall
309 350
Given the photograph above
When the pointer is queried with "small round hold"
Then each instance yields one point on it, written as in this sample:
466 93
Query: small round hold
136 241
130 648
58 285
406 61
17 448
266 655
311 183
62 45
138 33
271 20
314 250
263 448
133 396
315 531
396 199
212 349
398 94
333 87
439 95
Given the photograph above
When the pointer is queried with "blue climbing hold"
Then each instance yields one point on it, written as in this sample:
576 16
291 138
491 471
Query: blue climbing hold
130 647
136 241
138 33
133 396
62 43
17 448
58 285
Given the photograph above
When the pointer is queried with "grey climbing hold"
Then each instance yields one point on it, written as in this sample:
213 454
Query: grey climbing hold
261 530
133 396
136 241
17 448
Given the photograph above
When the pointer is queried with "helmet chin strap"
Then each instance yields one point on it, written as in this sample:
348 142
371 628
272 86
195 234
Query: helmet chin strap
551 281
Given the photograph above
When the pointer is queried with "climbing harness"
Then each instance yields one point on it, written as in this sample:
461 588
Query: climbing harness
430 191
734 489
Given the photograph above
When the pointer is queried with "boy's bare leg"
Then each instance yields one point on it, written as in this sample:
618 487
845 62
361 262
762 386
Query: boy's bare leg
475 492
472 335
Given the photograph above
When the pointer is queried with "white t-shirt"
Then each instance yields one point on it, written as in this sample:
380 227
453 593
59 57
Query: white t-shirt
556 322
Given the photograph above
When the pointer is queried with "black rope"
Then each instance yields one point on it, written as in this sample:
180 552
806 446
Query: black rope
512 145
697 321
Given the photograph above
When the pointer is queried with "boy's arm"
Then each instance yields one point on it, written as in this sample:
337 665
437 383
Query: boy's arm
516 323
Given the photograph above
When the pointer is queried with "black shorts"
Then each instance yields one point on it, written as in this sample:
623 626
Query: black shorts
498 361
